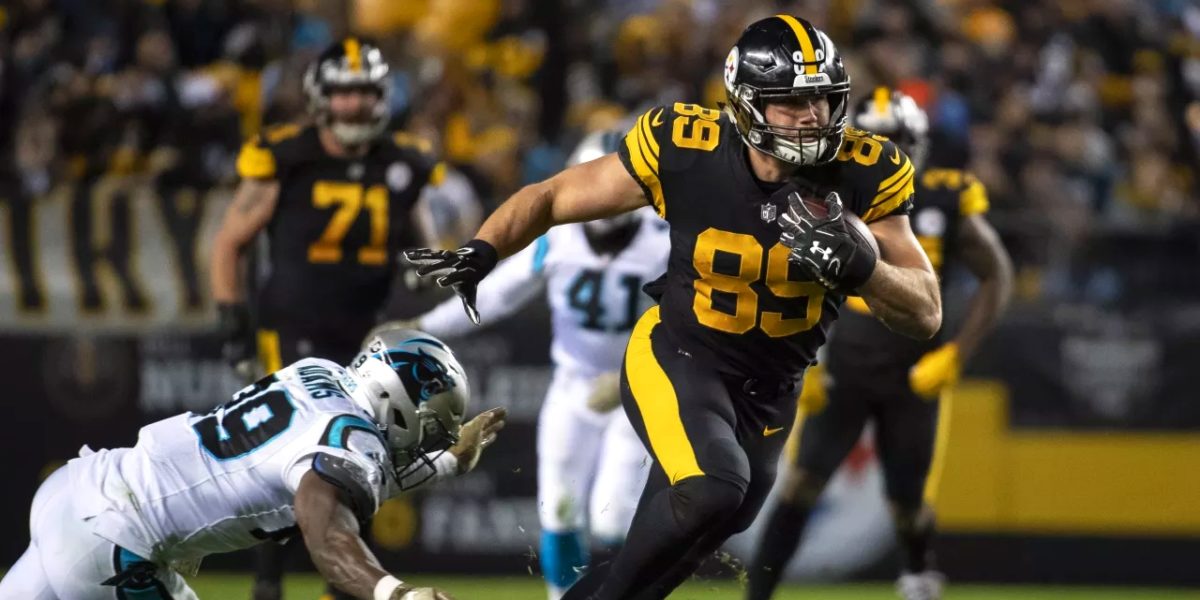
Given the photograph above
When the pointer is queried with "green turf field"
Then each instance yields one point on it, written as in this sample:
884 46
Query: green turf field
307 587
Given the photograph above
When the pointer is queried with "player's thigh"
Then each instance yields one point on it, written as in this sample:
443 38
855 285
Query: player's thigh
905 428
568 440
620 478
680 409
827 435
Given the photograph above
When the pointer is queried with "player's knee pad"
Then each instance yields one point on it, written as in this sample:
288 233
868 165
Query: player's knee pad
802 488
703 499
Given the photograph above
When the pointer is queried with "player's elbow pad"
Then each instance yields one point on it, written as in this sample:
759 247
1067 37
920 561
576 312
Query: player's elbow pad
351 480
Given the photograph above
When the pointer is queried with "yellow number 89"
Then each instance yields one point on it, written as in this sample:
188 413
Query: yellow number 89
703 133
749 254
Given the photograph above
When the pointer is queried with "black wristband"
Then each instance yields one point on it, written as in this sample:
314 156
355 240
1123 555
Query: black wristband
859 268
488 257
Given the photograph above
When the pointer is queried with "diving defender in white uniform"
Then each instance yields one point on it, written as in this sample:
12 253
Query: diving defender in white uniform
313 448
591 466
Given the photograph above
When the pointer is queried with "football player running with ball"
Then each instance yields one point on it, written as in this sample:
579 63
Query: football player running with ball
873 374
591 465
313 448
753 282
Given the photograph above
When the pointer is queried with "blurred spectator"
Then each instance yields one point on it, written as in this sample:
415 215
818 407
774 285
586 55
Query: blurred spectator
1077 114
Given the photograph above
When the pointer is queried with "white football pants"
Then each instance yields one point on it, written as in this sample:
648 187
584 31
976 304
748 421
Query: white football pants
66 561
591 466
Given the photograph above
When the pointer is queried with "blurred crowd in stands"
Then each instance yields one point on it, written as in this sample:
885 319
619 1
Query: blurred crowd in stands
1082 117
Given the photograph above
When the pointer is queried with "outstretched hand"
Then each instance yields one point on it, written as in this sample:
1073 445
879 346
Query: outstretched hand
475 435
460 270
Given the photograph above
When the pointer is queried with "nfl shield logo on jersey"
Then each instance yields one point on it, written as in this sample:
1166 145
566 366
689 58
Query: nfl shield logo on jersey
767 212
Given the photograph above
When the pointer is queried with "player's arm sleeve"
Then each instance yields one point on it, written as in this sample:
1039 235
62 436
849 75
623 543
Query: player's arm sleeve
973 199
640 151
516 281
895 192
256 160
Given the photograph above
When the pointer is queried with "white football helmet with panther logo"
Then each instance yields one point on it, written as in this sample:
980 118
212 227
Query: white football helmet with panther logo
417 392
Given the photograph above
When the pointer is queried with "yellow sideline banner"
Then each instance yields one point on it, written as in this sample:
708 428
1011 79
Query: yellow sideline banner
1061 482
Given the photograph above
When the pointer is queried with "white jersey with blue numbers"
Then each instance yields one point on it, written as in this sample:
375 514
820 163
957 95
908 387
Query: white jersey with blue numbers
595 300
199 484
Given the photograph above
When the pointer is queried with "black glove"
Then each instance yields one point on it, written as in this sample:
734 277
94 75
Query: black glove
824 246
460 269
233 322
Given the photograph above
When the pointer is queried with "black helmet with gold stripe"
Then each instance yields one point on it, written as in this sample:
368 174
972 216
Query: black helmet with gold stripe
894 114
350 65
785 59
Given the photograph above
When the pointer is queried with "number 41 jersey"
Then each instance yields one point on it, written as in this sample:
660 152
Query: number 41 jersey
199 484
730 295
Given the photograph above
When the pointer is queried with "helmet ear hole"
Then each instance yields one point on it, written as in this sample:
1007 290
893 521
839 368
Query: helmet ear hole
398 419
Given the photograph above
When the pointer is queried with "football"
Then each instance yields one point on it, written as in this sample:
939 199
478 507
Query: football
854 224
860 230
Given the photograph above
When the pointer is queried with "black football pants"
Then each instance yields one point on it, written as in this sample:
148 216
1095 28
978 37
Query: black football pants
715 440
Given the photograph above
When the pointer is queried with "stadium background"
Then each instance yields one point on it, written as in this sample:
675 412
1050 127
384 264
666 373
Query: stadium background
1075 454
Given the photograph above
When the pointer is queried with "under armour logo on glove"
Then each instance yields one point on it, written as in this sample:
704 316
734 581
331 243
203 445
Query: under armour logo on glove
461 269
823 252
828 250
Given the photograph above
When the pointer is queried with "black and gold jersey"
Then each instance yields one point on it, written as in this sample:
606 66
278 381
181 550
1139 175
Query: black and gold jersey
339 223
730 294
860 341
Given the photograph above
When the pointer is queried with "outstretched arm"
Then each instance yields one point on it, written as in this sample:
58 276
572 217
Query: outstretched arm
331 533
592 190
903 290
511 286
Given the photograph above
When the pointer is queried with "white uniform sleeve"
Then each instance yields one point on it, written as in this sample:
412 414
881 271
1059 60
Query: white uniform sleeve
516 281
445 466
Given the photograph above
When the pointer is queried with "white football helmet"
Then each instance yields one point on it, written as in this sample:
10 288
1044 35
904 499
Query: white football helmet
417 392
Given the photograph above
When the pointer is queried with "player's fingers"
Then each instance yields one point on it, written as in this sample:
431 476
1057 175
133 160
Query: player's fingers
466 291
419 256
798 207
833 203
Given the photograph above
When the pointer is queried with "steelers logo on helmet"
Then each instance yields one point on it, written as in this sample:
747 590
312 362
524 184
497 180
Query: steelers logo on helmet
784 59
353 68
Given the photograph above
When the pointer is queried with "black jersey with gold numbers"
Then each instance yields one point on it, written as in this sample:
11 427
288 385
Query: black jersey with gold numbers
860 341
339 223
729 294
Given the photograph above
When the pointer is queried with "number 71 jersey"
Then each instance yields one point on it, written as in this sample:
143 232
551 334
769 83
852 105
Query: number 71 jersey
339 222
730 296
199 484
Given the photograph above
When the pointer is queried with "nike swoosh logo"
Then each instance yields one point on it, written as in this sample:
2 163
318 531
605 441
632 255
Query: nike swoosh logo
896 158
657 120
770 431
